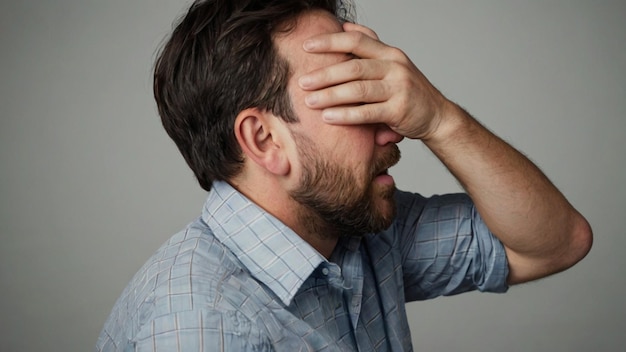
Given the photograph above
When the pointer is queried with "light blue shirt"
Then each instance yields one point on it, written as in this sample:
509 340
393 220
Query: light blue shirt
237 279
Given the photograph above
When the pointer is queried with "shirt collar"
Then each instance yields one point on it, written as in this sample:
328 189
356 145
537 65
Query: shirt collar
271 251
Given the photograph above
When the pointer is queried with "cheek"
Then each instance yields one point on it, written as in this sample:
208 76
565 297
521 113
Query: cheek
354 144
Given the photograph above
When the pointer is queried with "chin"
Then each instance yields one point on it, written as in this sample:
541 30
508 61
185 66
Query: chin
385 212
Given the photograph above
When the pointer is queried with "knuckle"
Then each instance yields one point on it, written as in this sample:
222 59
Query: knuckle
387 91
396 54
369 113
402 80
405 100
360 89
356 68
406 85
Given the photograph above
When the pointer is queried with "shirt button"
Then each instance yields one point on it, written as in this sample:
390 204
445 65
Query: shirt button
325 271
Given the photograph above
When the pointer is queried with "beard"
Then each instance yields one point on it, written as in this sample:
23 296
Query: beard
334 202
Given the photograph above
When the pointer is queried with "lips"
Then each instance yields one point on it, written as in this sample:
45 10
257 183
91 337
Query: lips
386 161
383 172
384 179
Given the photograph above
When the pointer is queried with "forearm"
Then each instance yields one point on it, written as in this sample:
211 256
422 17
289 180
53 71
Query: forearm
542 232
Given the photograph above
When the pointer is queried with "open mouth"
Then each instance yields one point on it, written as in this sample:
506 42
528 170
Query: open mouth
384 178
381 173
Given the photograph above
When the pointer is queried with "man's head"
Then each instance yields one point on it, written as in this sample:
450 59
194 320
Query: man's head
220 60
228 93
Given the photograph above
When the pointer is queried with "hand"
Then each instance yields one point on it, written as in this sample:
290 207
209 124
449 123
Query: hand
380 85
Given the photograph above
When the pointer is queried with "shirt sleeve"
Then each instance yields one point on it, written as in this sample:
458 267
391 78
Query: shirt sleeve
200 331
446 247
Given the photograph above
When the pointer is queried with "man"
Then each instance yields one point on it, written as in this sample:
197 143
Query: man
290 117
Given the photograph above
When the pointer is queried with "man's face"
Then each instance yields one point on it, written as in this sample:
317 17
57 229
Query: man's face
342 169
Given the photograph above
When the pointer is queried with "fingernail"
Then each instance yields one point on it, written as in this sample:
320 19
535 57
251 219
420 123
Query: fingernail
308 45
311 99
304 81
330 115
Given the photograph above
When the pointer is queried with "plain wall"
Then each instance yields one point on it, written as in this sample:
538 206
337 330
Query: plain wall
90 185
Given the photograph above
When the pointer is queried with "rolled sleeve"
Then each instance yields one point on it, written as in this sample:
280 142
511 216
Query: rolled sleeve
447 248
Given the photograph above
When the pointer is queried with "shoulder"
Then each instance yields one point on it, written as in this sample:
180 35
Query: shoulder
193 262
189 271
182 289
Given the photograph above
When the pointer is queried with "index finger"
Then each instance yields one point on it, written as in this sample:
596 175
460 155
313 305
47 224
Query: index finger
354 42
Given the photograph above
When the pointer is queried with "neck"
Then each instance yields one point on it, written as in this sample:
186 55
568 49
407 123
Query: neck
317 232
276 201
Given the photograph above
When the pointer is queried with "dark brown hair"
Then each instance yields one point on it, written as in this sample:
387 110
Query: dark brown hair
219 60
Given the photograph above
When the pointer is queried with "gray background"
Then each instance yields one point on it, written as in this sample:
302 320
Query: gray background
90 185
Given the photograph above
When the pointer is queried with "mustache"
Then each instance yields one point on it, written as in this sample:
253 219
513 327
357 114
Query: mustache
389 158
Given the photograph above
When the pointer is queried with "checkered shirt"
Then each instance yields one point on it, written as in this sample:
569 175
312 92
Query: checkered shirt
237 279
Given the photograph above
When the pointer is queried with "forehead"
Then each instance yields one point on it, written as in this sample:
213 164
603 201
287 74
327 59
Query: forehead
309 24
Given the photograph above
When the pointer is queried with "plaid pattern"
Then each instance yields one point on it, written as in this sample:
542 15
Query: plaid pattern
237 279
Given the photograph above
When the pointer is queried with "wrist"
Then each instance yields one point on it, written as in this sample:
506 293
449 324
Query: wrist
447 125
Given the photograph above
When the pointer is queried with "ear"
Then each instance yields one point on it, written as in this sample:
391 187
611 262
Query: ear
259 137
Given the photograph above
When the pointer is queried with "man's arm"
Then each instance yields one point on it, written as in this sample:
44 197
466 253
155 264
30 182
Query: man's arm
543 234
541 231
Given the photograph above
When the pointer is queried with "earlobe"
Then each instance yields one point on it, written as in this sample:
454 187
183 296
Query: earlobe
259 139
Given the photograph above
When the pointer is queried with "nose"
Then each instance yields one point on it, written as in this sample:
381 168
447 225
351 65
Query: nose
385 135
